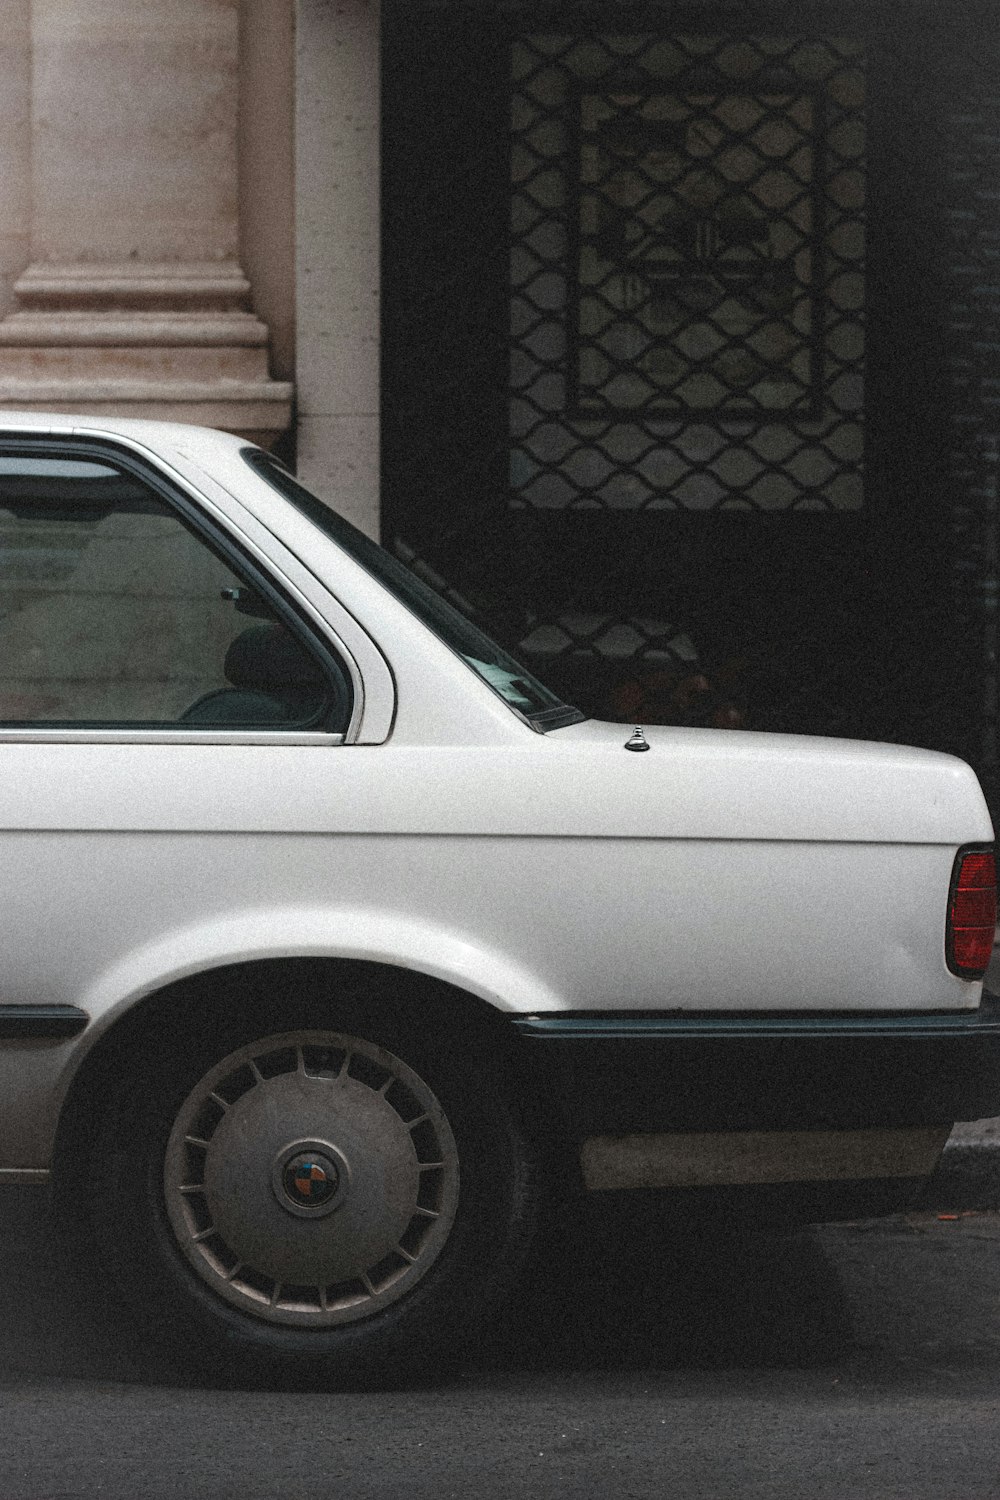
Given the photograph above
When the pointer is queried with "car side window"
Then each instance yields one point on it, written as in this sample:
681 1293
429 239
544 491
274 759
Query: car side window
116 611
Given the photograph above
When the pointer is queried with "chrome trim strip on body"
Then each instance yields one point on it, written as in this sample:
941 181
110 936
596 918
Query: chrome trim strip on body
709 1027
33 736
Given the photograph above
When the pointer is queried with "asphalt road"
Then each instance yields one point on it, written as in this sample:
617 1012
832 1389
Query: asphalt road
847 1362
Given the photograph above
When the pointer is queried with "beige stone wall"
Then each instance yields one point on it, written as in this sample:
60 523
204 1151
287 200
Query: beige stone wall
124 122
114 619
134 111
189 220
337 245
266 152
15 146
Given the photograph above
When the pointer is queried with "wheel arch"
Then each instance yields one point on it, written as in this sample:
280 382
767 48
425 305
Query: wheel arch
134 1031
467 961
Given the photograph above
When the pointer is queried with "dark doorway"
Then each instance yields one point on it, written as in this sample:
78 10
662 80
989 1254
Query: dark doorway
689 344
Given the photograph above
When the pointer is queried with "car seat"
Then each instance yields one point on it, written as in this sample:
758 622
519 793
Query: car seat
275 680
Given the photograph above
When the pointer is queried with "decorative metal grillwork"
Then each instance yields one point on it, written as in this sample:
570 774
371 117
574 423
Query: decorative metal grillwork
686 295
687 272
686 299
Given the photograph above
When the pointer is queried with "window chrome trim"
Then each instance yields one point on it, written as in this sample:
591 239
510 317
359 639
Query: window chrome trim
364 659
216 524
166 736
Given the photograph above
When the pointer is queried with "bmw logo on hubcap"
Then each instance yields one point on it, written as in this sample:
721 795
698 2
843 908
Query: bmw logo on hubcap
308 1180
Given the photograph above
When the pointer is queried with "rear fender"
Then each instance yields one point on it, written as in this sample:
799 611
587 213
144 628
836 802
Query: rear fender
357 934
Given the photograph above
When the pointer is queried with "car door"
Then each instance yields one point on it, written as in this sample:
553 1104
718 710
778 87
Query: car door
162 695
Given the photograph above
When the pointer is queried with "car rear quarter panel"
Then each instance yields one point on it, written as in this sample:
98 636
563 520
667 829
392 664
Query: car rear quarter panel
528 924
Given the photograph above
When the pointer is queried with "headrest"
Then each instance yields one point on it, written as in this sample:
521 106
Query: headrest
269 659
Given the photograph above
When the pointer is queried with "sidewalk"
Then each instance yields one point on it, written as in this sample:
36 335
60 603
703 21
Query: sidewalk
969 1173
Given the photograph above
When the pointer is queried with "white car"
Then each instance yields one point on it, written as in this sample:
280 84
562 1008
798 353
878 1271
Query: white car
333 942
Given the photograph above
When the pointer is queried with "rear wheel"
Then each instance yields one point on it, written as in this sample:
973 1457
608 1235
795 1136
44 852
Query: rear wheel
348 1200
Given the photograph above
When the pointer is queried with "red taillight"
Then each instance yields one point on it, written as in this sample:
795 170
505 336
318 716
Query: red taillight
972 913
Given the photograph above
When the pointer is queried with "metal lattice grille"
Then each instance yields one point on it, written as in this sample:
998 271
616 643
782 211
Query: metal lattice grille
687 273
687 290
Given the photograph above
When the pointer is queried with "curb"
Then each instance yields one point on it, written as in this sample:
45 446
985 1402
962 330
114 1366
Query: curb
967 1178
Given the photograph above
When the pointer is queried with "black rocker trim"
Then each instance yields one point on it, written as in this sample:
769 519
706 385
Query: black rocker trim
603 1027
635 1072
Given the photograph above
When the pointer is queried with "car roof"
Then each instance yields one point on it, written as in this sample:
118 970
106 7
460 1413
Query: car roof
178 436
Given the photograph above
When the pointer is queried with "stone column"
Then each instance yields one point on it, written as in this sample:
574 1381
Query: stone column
134 302
337 270
15 146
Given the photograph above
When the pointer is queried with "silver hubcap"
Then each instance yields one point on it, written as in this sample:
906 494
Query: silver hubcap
311 1178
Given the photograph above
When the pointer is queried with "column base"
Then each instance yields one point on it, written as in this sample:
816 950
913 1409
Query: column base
168 342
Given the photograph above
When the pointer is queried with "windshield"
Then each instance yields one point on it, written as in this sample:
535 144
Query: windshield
497 668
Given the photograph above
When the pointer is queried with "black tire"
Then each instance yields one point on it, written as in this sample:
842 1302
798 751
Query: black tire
129 1182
